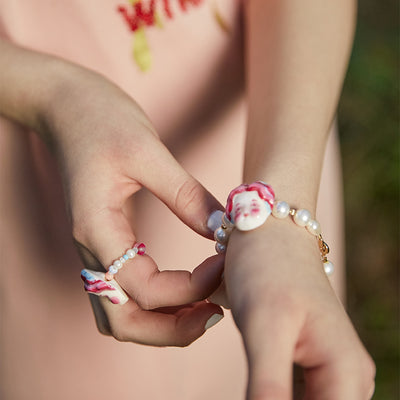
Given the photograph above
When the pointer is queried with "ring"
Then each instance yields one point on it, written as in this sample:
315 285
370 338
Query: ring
104 284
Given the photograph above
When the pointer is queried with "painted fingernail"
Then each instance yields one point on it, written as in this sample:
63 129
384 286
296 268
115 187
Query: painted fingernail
213 320
214 220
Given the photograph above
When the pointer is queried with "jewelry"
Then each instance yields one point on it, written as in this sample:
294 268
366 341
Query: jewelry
104 284
138 248
96 283
249 206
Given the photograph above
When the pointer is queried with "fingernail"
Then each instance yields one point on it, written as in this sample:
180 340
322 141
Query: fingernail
213 320
215 220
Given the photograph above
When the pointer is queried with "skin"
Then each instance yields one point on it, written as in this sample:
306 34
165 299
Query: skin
284 307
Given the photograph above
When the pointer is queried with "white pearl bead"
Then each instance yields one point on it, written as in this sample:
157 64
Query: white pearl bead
117 264
112 269
122 259
221 236
328 267
281 209
302 217
130 253
314 227
220 248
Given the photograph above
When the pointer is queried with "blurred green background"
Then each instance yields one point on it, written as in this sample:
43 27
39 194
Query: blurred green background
369 131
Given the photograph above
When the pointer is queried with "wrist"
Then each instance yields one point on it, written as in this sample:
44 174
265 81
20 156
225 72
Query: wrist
250 207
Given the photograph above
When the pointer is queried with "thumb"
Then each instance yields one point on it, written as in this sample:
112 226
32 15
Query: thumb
182 193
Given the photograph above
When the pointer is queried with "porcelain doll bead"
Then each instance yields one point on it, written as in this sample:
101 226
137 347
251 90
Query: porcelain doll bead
281 209
131 253
302 217
328 267
220 248
221 236
314 227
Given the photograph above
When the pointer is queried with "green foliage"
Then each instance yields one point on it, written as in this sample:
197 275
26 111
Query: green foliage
369 131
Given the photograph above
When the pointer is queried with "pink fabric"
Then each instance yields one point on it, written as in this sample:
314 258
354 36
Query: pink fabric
49 346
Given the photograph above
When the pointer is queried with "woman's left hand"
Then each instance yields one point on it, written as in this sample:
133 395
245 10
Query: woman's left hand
287 312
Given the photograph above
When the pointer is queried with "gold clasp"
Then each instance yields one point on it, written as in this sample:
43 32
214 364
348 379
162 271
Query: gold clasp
323 248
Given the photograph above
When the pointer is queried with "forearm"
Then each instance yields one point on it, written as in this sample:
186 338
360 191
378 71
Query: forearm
26 79
297 54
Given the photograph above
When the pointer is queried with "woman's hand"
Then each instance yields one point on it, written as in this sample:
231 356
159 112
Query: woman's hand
287 313
108 149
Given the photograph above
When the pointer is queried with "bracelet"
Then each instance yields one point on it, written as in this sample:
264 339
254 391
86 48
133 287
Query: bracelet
249 206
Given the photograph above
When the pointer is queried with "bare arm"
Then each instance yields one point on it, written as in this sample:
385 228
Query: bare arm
297 54
282 302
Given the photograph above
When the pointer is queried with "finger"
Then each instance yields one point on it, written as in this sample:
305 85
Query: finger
109 236
330 354
180 327
269 338
151 288
183 194
331 381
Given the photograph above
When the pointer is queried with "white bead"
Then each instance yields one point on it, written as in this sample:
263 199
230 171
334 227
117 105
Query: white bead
122 259
117 264
112 269
302 217
220 248
328 267
221 236
281 209
314 227
131 253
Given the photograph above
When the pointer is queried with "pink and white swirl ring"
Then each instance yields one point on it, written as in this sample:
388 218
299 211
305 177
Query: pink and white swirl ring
96 283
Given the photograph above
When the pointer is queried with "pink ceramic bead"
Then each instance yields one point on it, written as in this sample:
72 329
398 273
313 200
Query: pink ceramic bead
141 248
109 276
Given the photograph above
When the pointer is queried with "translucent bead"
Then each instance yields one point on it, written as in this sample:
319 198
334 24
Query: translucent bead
314 227
281 209
302 217
112 269
221 236
122 259
117 264
125 257
220 248
328 267
130 253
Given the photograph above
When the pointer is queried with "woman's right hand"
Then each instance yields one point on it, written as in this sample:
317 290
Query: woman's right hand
107 150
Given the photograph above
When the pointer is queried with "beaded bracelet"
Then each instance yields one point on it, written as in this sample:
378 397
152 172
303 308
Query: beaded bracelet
248 207
138 248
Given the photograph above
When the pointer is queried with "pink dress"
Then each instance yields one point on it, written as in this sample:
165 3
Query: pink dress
194 95
50 347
